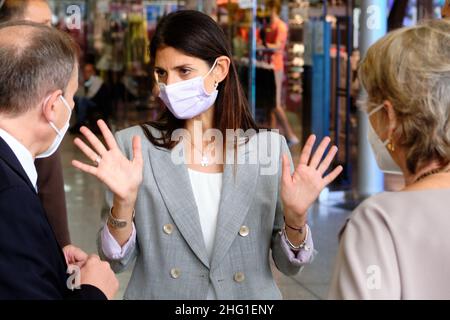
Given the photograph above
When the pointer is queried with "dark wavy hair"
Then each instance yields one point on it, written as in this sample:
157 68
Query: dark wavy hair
198 35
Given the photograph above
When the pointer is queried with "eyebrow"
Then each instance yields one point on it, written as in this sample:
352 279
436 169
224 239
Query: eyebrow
176 67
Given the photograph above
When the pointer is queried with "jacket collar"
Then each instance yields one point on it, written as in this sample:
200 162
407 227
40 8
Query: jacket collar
11 160
236 197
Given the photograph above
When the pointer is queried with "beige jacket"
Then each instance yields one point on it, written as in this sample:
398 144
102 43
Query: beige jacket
395 245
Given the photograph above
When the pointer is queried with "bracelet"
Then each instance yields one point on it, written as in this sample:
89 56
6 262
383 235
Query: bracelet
296 229
302 245
118 223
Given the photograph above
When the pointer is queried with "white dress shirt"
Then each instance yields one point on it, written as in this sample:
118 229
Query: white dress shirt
23 155
207 188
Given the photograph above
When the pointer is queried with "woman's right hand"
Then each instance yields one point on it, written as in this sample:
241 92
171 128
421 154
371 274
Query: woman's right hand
122 176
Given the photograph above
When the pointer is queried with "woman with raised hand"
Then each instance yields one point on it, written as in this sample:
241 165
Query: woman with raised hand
201 218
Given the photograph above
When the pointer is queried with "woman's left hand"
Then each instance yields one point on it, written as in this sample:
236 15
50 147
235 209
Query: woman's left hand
300 190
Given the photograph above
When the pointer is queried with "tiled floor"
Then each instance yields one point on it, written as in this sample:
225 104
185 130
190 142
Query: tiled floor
85 199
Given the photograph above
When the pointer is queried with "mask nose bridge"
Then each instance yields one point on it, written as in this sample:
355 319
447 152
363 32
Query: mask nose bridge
168 82
171 85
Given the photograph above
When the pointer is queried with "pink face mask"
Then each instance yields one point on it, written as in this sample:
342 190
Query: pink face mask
187 99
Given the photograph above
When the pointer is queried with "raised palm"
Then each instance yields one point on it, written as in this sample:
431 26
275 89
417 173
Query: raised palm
301 189
121 175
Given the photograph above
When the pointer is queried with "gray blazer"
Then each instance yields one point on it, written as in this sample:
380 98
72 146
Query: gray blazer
171 257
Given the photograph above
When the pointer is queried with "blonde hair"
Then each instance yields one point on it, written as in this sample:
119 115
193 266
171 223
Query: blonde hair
410 67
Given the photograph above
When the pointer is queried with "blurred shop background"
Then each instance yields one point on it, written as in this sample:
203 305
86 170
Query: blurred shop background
320 93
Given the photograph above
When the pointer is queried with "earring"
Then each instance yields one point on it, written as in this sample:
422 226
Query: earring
216 84
391 146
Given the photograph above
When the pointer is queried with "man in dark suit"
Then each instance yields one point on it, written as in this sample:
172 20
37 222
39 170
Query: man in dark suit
50 175
38 77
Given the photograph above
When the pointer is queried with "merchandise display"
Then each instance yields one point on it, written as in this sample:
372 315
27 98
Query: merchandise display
298 14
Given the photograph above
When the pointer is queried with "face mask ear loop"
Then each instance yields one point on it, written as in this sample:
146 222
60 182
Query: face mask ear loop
216 84
45 101
212 68
66 104
50 122
55 128
376 110
58 132
385 143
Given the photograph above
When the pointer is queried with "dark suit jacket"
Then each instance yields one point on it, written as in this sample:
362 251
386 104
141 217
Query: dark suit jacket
32 264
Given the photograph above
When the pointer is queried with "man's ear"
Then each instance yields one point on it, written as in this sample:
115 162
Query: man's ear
222 68
48 105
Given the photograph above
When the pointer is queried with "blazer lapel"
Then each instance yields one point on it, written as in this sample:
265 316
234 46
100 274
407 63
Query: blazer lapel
238 191
10 158
175 187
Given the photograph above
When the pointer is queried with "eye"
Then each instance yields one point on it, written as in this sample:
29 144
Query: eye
185 71
160 73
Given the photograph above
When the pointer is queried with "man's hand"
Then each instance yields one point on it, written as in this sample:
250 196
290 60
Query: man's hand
98 273
75 255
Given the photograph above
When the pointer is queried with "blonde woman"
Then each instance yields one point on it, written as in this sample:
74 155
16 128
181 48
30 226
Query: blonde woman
395 245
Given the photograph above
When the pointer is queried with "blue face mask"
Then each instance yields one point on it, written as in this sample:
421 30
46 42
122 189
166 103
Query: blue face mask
60 133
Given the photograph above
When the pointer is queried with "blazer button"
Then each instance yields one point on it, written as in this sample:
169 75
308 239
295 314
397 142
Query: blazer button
244 231
175 273
168 228
239 277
